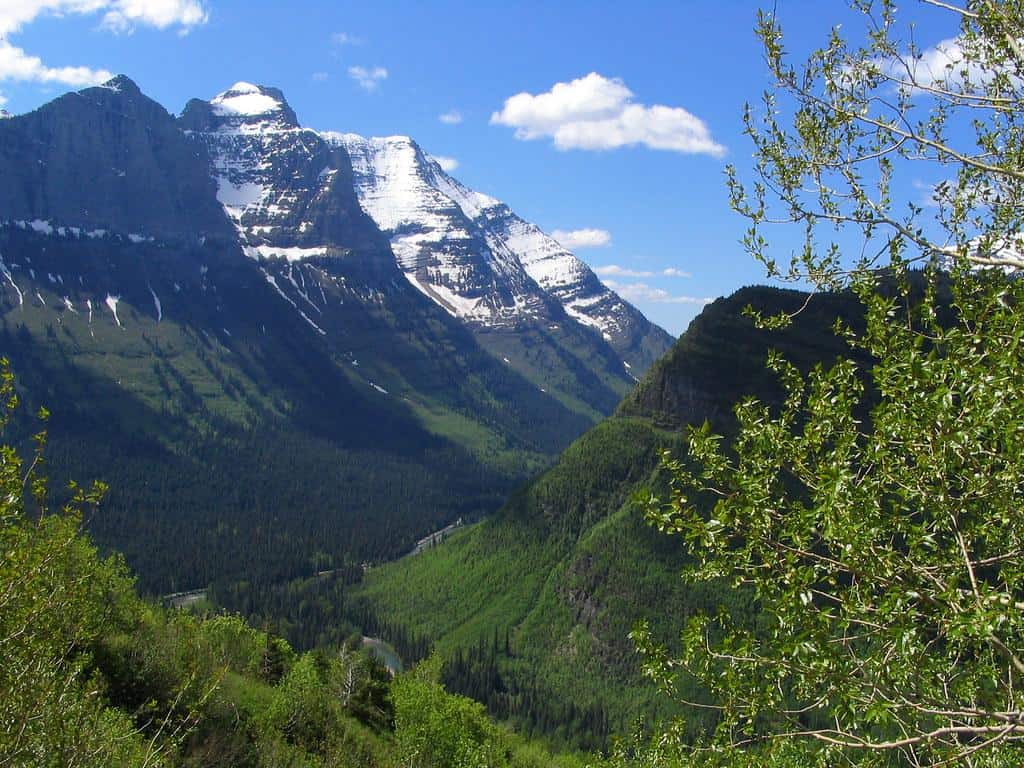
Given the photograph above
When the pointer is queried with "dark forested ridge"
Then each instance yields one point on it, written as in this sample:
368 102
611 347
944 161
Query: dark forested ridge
533 607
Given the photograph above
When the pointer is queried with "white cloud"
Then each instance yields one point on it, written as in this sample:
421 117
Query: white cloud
448 164
583 238
344 38
320 77
595 112
673 272
929 194
945 65
637 292
368 78
614 270
451 117
118 16
15 64
123 15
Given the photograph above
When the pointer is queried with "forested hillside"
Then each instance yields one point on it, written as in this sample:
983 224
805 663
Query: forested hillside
532 608
93 676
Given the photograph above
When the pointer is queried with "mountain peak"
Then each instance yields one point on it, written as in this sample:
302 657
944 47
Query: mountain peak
121 84
248 103
243 107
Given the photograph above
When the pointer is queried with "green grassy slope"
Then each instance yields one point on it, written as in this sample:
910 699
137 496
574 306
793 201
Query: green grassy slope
568 565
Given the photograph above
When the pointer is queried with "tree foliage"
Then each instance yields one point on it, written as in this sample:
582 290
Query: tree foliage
875 515
56 596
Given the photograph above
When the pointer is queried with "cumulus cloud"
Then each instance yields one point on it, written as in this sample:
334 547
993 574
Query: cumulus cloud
637 292
451 117
123 15
583 238
614 270
368 78
448 164
117 15
595 112
15 64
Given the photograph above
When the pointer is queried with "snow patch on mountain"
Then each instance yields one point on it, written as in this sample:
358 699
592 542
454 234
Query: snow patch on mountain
237 198
157 305
434 222
437 246
111 302
7 273
293 253
245 99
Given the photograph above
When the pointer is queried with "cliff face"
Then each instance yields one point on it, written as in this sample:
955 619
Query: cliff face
108 158
721 357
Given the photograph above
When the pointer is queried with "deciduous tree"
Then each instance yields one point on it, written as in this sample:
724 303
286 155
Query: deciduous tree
876 517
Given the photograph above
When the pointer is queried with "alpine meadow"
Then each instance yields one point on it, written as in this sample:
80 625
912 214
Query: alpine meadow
695 441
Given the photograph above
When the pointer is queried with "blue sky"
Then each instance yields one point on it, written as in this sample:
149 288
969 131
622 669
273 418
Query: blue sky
649 181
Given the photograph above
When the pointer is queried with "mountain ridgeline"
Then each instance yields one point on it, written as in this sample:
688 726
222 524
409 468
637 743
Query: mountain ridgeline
533 607
286 351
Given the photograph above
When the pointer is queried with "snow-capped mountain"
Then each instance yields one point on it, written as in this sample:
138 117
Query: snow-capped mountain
438 247
473 255
287 189
429 292
221 290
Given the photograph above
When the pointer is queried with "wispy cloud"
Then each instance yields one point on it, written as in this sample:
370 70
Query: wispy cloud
448 164
368 78
320 77
341 39
451 117
583 238
614 270
637 292
597 113
117 16
929 194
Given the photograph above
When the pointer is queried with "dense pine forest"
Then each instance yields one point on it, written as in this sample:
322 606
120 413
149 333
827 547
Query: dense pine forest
95 676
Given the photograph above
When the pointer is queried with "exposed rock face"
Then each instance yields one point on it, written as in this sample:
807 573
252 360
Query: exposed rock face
288 192
721 357
108 158
366 243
